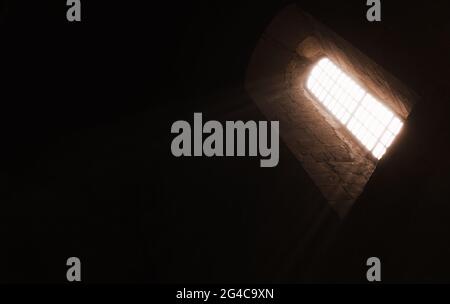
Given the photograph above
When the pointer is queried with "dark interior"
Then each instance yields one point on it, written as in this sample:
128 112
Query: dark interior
86 111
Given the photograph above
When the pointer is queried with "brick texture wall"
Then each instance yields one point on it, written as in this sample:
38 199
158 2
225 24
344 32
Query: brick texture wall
335 161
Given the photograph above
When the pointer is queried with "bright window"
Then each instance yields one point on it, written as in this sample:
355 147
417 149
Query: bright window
372 123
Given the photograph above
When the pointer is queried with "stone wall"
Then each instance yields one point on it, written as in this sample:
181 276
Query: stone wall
336 162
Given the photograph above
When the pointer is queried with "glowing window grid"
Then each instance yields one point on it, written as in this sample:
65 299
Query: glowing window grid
373 124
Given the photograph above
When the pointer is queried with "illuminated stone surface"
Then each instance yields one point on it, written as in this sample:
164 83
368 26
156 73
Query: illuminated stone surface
337 162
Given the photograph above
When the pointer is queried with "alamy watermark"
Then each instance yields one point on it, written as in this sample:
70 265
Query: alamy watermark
235 143
73 273
373 274
374 12
74 11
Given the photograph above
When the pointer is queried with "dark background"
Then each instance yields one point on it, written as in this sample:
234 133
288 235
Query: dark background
86 168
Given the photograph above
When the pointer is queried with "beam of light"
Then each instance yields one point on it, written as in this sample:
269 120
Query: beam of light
372 123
